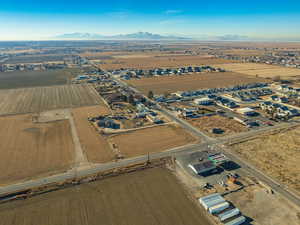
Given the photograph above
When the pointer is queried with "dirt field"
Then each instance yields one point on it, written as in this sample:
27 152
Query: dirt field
38 99
160 85
275 211
262 70
262 45
277 155
30 149
36 58
21 79
207 123
94 145
151 140
244 52
149 197
159 61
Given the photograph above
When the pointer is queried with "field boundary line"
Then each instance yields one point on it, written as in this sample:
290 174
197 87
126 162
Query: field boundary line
80 157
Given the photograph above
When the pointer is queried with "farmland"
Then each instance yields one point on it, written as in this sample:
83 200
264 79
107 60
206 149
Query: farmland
277 155
161 85
262 70
38 58
93 144
207 123
22 79
39 99
150 140
30 149
243 52
159 61
149 197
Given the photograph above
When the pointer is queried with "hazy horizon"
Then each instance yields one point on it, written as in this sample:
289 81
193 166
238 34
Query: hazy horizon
256 20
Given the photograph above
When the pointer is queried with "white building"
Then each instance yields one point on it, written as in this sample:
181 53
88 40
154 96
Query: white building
203 101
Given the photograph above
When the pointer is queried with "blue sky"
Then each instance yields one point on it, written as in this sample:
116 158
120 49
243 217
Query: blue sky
25 19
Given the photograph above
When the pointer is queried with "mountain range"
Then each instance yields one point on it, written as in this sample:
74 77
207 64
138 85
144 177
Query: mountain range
133 36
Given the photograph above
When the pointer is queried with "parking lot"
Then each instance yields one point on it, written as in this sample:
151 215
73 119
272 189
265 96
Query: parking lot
213 177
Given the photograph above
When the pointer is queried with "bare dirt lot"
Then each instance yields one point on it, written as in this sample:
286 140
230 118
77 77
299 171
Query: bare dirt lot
151 140
277 155
207 123
161 85
159 61
39 99
30 149
149 197
94 145
262 70
249 199
21 79
275 211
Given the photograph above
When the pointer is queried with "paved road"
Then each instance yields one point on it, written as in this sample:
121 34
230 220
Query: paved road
245 165
207 143
173 117
90 170
251 170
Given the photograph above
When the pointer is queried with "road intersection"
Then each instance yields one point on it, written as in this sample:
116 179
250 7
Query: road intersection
80 171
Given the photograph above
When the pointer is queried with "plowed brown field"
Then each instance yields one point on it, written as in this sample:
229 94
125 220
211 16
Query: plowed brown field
93 144
28 149
27 100
149 197
160 85
160 61
262 70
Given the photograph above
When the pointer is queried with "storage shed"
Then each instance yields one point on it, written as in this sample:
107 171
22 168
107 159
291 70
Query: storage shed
228 214
218 208
215 200
208 197
237 221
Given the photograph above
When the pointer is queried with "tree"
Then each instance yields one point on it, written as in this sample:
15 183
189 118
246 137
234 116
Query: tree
150 94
